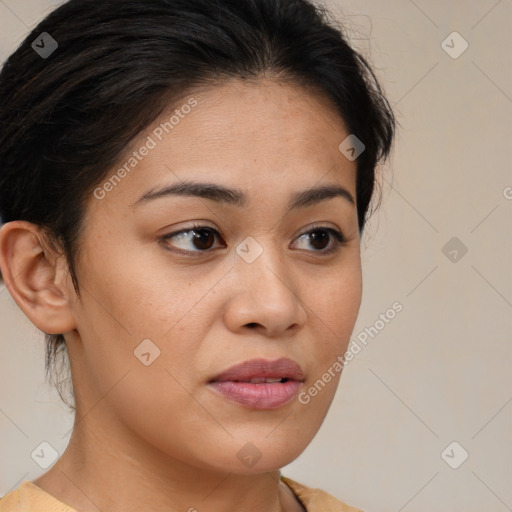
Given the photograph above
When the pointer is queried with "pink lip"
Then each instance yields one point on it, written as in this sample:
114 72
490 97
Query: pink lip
260 395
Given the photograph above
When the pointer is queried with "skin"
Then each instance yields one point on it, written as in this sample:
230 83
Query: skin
156 437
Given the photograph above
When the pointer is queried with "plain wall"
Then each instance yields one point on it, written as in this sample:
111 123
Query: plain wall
440 370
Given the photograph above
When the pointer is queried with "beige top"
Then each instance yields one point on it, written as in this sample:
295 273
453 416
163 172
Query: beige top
28 497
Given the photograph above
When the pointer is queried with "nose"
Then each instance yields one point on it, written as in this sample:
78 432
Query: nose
266 297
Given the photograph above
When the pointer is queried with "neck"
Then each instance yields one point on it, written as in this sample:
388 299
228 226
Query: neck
123 472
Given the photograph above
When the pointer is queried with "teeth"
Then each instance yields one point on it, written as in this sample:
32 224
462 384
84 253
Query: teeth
261 380
258 380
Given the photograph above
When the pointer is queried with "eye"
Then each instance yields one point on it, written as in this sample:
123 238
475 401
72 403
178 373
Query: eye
197 239
320 236
201 240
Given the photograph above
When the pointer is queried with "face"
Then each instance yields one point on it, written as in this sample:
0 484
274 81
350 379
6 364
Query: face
178 288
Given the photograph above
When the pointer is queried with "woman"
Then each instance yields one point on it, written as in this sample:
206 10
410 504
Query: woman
183 188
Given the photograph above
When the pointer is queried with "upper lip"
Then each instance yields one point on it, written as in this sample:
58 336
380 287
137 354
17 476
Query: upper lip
278 368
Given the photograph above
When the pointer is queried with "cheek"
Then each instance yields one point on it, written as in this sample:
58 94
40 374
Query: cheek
134 297
334 311
156 405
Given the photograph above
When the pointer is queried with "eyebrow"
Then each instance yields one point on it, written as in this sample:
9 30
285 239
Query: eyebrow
237 197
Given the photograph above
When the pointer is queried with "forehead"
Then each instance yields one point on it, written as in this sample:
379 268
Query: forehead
243 116
243 134
264 111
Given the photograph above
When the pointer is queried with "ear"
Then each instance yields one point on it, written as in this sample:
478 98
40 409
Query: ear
37 277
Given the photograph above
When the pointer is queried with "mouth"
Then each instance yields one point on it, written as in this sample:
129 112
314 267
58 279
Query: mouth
260 383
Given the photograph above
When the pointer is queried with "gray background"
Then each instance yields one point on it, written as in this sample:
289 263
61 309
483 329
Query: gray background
440 370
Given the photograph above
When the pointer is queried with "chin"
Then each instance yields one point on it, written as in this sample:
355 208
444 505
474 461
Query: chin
246 457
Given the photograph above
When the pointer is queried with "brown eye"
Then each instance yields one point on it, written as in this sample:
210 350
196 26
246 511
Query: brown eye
324 240
203 239
197 239
194 239
320 239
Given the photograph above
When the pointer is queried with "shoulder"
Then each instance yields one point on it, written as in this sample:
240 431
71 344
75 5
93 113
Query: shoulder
30 498
316 500
10 502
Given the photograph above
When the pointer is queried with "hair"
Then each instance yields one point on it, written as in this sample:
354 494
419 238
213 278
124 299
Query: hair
67 119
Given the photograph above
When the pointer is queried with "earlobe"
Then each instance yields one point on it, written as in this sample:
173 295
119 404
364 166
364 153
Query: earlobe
33 275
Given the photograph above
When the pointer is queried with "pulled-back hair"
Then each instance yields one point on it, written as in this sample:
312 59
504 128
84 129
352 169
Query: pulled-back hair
66 119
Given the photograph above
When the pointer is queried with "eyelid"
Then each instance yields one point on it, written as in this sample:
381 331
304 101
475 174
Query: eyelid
197 226
336 234
339 239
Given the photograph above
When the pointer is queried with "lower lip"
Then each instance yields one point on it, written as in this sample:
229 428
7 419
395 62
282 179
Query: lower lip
258 396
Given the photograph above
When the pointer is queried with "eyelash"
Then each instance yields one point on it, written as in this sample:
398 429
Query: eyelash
337 237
